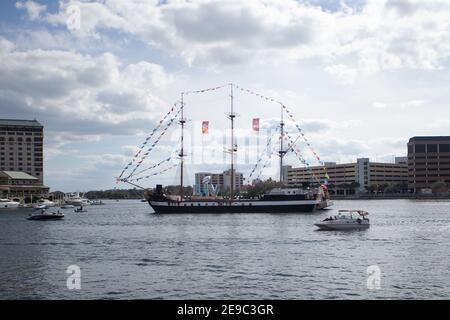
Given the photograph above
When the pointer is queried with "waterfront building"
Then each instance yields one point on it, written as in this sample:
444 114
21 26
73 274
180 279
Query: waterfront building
20 185
347 177
428 162
220 180
21 159
21 147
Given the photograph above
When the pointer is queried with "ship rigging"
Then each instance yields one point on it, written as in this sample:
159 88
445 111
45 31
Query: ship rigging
278 200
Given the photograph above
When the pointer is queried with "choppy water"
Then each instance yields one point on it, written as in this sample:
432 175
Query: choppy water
126 252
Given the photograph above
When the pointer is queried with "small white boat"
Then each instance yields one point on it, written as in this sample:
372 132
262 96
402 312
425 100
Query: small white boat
44 203
97 203
67 206
81 209
8 204
345 220
77 200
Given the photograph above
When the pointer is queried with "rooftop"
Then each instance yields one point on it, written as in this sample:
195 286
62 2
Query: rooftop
430 138
19 175
18 122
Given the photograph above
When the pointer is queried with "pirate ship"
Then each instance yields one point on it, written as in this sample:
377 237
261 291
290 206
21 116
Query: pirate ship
277 200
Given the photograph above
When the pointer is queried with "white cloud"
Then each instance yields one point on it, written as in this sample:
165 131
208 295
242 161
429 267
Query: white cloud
81 93
5 47
415 103
33 9
382 35
342 73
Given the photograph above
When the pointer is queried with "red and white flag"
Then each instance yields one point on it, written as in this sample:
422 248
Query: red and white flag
256 124
205 127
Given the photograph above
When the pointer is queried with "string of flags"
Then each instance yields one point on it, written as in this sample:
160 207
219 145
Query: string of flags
269 142
174 112
153 174
288 112
297 152
205 90
291 117
154 166
264 166
163 132
149 137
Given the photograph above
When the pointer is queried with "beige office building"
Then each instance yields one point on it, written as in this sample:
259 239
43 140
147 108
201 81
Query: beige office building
364 172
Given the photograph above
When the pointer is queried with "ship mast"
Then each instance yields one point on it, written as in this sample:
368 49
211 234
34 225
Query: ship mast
281 152
231 116
181 154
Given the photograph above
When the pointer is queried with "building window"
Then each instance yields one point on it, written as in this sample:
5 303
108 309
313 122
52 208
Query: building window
444 148
432 148
420 148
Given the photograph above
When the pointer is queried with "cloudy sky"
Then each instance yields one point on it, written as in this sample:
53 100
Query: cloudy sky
359 77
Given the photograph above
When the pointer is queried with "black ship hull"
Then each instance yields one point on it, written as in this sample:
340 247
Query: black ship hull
243 207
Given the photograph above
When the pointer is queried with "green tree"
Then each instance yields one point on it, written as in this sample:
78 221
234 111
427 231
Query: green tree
439 187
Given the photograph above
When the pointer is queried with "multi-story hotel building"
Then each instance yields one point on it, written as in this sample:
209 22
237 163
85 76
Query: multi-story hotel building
363 172
21 147
222 180
428 162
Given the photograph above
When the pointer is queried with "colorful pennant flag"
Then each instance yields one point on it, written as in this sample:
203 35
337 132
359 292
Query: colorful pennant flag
205 127
256 124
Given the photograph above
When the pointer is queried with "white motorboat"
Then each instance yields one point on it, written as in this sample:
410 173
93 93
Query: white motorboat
44 215
44 203
8 204
97 202
345 220
76 200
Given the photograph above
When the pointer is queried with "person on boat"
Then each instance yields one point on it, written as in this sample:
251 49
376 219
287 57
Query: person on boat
81 208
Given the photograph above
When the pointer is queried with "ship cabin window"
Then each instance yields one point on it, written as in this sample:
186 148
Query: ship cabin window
185 204
206 204
199 204
192 204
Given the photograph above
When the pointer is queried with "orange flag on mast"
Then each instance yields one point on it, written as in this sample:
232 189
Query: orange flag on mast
205 127
256 124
